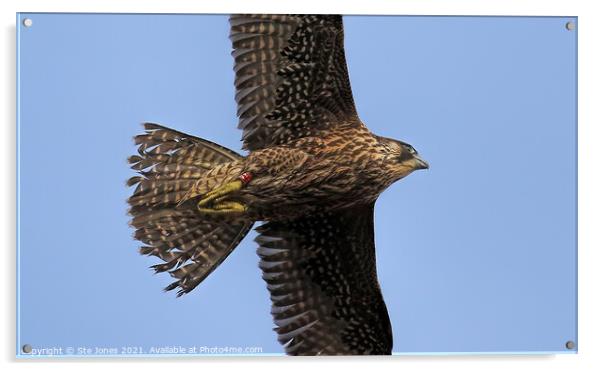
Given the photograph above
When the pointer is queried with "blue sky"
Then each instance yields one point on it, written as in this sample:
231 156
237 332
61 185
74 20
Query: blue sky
477 254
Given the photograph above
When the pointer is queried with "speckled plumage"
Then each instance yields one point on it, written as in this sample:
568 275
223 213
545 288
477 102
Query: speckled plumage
316 171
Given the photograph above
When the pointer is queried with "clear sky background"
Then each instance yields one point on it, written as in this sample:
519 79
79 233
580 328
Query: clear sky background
477 254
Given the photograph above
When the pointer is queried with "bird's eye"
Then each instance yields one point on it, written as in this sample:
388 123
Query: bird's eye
411 149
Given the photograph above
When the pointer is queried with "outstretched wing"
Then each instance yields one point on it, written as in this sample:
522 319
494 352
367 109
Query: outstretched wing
321 274
291 77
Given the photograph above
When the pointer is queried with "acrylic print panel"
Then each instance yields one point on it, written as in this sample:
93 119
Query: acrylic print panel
475 255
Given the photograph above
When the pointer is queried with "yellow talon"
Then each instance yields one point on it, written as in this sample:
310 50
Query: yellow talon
219 192
231 206
217 198
224 207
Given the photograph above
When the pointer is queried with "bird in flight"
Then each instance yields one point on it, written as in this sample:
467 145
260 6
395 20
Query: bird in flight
312 176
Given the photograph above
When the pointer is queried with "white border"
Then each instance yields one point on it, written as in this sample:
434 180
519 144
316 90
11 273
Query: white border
590 184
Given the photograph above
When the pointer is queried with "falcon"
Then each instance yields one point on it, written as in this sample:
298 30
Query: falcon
312 176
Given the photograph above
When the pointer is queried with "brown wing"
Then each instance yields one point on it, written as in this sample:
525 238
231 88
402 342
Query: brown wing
291 77
321 274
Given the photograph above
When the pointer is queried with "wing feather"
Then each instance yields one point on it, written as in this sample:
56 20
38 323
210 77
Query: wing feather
321 274
291 77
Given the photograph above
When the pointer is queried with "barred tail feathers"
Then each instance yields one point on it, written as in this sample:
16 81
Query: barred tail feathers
170 164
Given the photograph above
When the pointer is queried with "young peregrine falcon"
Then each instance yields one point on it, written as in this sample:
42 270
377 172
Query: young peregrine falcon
312 176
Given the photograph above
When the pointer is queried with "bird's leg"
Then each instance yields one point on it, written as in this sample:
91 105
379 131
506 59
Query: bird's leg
220 192
224 207
217 197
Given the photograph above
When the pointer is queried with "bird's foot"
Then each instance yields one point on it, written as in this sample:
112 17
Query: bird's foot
212 196
215 201
223 207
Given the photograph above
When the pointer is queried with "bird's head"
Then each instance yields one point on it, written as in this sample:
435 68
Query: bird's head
400 158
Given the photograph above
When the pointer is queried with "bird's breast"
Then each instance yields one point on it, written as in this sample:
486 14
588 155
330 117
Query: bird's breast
331 174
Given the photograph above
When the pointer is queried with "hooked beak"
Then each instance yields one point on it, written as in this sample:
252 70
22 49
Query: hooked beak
419 163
